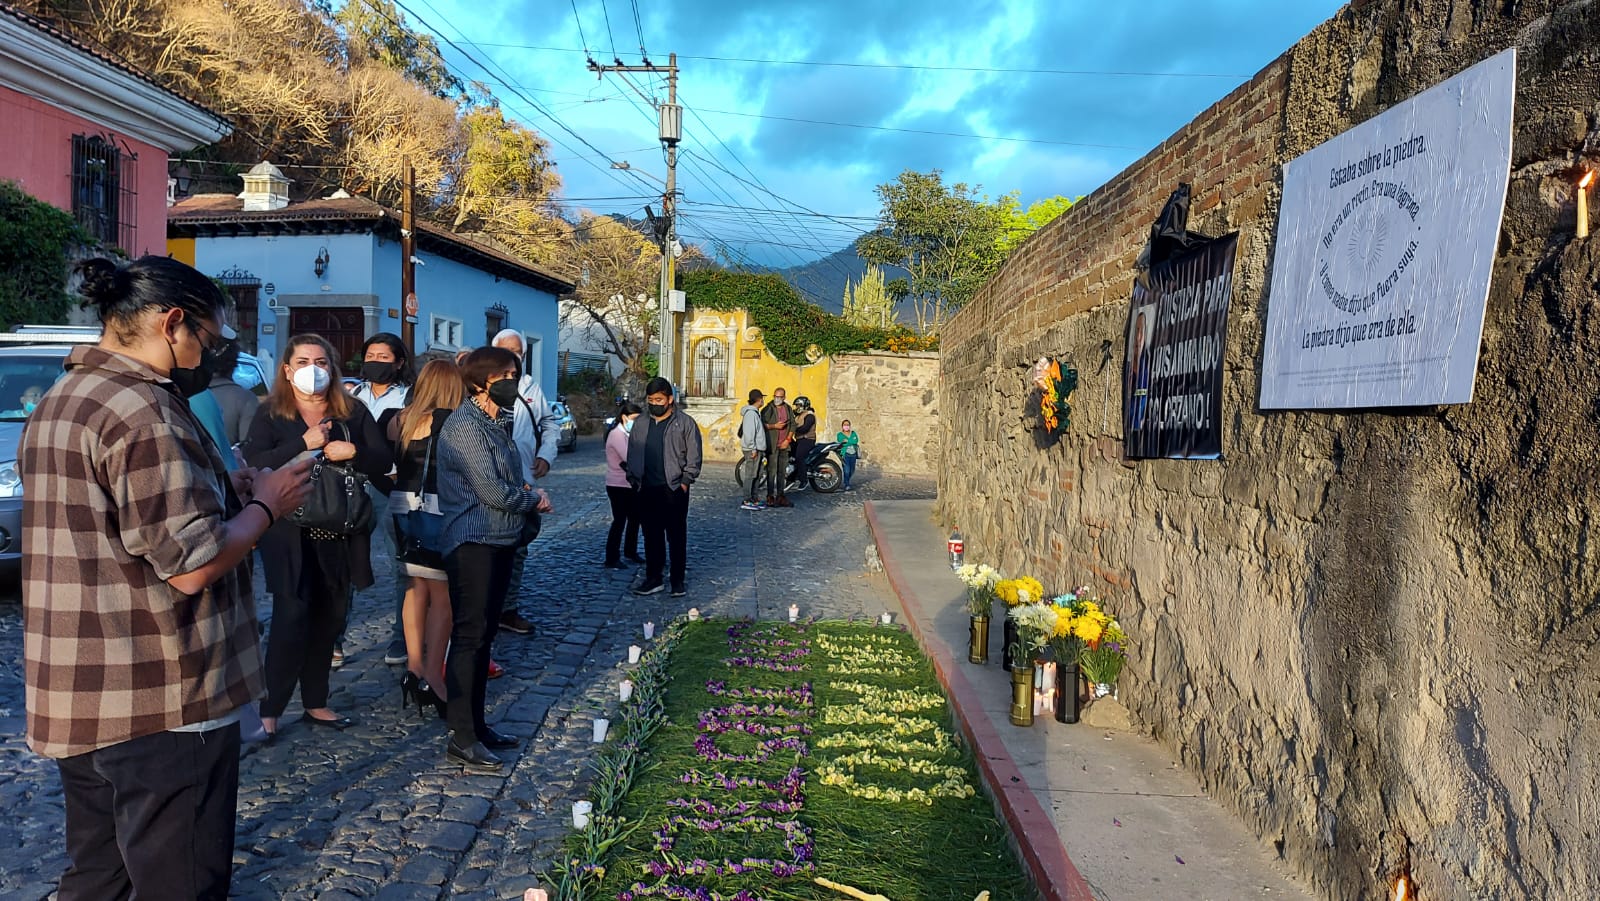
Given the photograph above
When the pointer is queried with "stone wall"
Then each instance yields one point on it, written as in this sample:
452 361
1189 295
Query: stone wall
1373 635
892 401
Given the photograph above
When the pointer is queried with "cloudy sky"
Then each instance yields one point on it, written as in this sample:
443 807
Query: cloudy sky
764 180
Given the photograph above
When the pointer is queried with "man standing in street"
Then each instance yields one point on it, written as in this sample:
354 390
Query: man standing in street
752 442
663 461
779 422
536 433
140 635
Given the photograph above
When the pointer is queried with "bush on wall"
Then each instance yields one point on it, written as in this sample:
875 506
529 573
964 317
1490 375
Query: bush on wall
37 245
789 325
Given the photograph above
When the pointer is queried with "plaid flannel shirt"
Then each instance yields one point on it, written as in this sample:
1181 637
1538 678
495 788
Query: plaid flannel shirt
122 490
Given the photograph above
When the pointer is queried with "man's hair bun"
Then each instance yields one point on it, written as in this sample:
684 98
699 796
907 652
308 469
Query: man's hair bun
105 284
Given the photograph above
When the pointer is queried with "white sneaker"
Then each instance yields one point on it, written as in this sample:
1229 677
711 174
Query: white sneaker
749 505
338 657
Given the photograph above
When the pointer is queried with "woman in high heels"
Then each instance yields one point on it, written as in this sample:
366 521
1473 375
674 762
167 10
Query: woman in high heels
426 615
311 573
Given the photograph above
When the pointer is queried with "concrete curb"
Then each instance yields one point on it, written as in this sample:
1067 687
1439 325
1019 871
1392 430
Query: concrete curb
1024 812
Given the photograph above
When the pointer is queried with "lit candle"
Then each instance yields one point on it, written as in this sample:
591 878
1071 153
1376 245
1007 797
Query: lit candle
886 618
1583 203
601 724
625 689
633 653
580 814
649 630
694 613
794 612
536 894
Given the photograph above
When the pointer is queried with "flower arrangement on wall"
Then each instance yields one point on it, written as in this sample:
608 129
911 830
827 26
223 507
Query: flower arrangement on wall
1055 383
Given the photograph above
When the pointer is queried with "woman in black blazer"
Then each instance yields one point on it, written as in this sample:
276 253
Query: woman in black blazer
310 573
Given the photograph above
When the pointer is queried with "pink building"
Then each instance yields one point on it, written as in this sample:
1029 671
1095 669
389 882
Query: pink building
87 133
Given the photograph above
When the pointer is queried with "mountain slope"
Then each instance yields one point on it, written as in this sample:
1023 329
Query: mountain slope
822 281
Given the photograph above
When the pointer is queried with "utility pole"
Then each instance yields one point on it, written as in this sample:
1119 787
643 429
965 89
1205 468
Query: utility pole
408 272
670 116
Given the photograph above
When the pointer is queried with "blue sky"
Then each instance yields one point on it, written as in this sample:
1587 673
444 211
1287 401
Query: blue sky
751 177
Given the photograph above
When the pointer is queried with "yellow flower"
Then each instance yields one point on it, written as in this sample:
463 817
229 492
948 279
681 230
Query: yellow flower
1088 629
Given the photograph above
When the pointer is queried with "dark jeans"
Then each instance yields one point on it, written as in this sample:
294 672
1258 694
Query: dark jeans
849 469
664 513
305 626
479 576
777 472
152 817
624 517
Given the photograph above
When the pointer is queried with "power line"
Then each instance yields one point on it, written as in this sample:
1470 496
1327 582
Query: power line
638 27
581 39
1005 70
605 8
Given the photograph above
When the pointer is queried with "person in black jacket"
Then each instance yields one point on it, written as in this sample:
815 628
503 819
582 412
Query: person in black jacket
311 574
663 461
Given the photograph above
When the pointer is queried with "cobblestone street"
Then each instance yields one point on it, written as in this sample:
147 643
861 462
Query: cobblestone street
374 812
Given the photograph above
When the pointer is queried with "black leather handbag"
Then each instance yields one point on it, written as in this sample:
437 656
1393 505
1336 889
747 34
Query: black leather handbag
338 502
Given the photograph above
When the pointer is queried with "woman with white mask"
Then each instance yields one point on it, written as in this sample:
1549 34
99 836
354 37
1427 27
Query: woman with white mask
311 573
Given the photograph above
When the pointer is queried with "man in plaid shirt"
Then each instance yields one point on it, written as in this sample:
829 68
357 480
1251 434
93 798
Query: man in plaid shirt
140 634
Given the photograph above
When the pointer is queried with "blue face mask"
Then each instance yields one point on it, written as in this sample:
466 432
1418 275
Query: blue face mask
627 426
29 406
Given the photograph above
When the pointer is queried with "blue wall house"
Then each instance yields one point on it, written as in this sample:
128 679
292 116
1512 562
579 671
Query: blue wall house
332 266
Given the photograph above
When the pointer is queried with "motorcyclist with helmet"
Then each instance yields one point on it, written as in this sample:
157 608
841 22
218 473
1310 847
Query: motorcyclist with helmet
805 434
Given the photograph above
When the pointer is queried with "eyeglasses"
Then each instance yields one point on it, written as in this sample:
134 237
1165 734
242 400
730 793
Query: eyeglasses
221 343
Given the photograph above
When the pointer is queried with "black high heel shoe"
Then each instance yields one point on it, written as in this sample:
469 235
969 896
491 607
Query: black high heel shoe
426 695
412 690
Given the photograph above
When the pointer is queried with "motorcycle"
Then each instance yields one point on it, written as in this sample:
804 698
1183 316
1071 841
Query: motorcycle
822 470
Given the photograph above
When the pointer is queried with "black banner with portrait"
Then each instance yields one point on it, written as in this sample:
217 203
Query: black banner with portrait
1177 335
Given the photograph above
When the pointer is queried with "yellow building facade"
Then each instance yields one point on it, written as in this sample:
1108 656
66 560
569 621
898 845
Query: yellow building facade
723 358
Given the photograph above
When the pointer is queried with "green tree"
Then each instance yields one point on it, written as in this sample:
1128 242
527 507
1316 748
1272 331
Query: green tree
375 30
37 242
868 303
1023 223
946 236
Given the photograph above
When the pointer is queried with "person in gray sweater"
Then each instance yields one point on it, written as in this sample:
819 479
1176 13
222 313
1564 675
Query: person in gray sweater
485 498
663 462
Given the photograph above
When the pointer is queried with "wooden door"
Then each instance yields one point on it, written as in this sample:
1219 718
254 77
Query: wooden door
344 327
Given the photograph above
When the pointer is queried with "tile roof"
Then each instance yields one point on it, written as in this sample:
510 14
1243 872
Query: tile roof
103 55
205 214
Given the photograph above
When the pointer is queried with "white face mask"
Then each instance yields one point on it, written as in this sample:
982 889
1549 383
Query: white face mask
311 379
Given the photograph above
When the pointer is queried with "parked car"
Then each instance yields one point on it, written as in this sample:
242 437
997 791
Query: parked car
569 426
31 358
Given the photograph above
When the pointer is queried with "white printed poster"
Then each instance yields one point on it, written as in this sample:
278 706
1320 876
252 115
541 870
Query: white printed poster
1385 246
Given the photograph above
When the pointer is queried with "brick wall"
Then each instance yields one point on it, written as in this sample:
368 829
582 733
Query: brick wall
1373 635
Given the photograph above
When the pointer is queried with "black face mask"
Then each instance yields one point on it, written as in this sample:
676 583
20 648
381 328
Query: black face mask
658 410
192 381
504 393
378 373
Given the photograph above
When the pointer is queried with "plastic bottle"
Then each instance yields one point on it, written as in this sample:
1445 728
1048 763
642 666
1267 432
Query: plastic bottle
957 548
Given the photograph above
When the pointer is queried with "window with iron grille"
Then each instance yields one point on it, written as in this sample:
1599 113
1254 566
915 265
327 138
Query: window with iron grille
494 319
244 301
105 190
709 377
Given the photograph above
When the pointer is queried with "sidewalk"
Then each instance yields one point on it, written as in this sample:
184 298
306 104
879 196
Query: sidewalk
1095 813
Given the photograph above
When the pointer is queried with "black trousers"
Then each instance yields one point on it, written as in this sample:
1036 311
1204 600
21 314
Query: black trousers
624 518
152 817
479 576
664 514
305 626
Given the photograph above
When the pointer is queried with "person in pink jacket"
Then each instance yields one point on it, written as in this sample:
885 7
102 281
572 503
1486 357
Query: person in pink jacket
624 516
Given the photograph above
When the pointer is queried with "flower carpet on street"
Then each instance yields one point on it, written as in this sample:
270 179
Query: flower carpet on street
773 758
